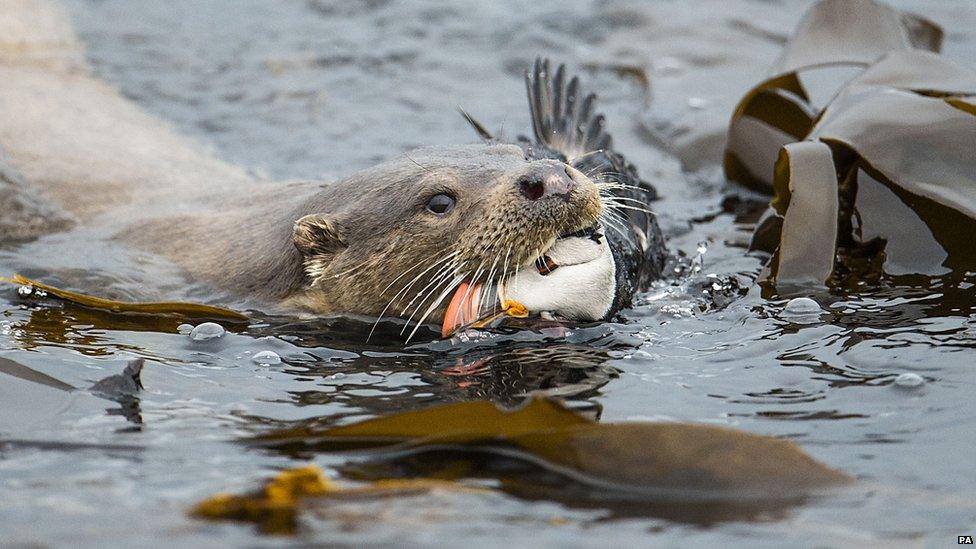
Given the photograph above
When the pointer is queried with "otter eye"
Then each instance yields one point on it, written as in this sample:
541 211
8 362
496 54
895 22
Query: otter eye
440 204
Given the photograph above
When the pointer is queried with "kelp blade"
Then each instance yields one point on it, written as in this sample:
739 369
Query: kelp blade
465 421
901 138
832 33
186 310
632 460
682 461
805 175
275 507
855 32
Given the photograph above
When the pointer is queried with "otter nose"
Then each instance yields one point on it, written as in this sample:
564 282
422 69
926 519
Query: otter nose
548 180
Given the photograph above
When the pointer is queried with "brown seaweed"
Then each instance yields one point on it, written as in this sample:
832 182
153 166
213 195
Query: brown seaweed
900 137
635 461
188 311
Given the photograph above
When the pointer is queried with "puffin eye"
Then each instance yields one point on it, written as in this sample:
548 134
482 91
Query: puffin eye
440 204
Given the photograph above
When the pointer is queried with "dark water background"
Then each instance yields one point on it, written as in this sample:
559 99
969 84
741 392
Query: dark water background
321 89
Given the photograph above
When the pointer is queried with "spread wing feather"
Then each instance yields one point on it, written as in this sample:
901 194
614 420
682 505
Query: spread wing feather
566 127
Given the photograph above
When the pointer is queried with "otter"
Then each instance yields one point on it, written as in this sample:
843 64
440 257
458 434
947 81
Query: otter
558 223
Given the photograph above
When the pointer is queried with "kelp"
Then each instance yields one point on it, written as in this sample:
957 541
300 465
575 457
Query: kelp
674 462
900 138
186 311
274 508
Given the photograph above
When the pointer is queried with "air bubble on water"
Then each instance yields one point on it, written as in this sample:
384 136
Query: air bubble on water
802 306
25 291
207 331
184 329
909 380
337 375
697 103
266 358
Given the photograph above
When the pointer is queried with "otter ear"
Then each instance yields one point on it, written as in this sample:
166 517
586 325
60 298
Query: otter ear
317 235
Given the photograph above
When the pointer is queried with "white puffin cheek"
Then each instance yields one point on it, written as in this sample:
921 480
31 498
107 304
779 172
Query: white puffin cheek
575 290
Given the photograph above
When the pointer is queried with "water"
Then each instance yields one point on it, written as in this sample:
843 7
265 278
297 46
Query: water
320 89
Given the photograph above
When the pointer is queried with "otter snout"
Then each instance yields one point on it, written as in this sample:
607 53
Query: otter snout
545 180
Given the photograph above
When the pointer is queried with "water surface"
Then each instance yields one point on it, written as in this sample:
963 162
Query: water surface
321 89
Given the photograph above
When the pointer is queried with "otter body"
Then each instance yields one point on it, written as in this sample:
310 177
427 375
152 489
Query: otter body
558 222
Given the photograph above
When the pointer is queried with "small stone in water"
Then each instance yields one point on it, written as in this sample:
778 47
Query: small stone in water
207 330
266 358
802 306
909 380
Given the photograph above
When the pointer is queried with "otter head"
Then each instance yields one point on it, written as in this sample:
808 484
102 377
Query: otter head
452 231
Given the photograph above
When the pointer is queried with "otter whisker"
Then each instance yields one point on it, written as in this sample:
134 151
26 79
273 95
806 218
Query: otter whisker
619 208
503 278
444 280
626 199
406 286
577 158
634 208
428 290
467 291
611 219
616 180
401 275
434 278
489 283
612 197
516 277
621 191
433 306
414 280
355 269
436 286
419 165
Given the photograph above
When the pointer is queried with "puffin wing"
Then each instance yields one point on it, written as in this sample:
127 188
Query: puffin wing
566 127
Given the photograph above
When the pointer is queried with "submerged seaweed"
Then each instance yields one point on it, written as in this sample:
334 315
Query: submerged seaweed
543 449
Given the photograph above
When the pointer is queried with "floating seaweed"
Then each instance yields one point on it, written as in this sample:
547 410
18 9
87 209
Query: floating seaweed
882 180
275 507
186 311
